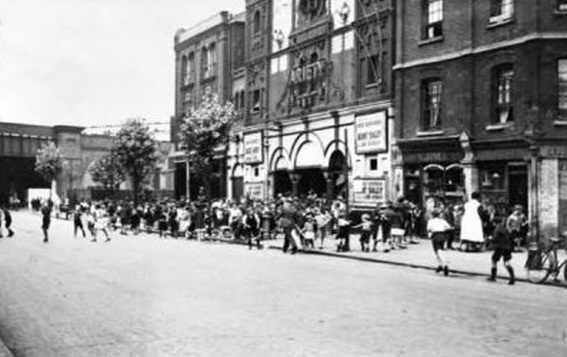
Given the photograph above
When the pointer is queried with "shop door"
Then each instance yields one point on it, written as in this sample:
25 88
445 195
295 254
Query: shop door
518 186
180 182
237 188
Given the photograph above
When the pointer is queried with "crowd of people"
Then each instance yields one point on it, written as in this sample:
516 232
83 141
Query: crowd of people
307 223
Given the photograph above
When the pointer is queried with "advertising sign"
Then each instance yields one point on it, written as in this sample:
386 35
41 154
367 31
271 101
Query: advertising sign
369 192
371 133
253 152
255 190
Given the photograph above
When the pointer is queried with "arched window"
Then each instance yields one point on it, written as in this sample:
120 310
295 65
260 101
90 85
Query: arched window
256 22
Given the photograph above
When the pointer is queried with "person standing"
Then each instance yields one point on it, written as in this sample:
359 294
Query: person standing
46 221
250 225
515 225
366 227
437 229
472 233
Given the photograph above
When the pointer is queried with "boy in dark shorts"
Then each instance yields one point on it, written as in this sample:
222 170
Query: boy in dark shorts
437 229
503 245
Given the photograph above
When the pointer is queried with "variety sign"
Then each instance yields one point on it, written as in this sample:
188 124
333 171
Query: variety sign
253 148
371 133
369 191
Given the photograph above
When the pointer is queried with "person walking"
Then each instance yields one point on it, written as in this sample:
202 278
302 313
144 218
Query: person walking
503 245
472 234
8 220
437 229
250 225
78 221
287 221
46 220
366 227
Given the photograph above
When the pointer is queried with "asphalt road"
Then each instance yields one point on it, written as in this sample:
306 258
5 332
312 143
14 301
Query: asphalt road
142 296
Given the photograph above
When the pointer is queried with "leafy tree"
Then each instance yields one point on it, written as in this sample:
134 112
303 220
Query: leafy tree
135 150
108 172
49 162
203 129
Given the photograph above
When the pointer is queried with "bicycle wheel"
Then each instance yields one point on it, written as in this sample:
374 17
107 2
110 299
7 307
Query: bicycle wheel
538 267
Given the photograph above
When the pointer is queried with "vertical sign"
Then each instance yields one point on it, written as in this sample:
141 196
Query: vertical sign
371 133
253 152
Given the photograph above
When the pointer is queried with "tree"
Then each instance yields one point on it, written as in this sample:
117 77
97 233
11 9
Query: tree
203 129
49 163
135 151
108 172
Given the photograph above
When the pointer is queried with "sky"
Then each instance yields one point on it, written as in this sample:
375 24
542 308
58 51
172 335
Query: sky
93 62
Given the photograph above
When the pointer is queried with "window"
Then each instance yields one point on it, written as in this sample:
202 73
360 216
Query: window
432 90
256 101
503 78
187 68
562 84
373 164
562 5
501 10
256 23
433 13
372 70
204 62
212 60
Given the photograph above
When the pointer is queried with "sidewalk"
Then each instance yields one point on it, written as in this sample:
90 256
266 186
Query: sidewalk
419 256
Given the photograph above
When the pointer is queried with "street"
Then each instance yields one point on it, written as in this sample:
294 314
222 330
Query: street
142 296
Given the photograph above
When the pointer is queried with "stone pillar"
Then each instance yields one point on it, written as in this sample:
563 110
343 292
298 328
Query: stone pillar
470 173
330 179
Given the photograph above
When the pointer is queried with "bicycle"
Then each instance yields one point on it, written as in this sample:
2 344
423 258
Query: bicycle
543 262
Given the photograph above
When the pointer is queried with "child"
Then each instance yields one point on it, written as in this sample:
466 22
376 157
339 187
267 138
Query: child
366 226
7 220
309 230
324 220
162 223
250 224
343 227
77 221
503 245
437 228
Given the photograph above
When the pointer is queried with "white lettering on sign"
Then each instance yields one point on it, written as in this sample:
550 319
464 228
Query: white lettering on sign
253 148
371 133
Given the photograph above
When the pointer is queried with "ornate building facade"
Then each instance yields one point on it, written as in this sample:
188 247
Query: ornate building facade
319 101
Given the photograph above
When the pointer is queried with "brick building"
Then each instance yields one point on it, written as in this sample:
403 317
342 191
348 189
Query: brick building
319 103
18 148
481 99
208 56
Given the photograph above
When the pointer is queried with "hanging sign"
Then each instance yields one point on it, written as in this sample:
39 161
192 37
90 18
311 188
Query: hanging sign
369 191
371 133
253 152
255 190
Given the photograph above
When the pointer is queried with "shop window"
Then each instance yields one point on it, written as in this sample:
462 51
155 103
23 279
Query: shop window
433 19
492 179
503 89
501 10
562 84
432 90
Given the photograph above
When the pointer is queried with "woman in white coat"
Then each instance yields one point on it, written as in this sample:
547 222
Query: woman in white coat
472 235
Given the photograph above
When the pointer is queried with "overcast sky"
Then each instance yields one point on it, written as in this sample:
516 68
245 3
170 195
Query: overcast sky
92 62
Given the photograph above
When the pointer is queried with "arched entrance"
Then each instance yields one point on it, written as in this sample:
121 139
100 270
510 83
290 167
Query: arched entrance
338 175
308 173
282 179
